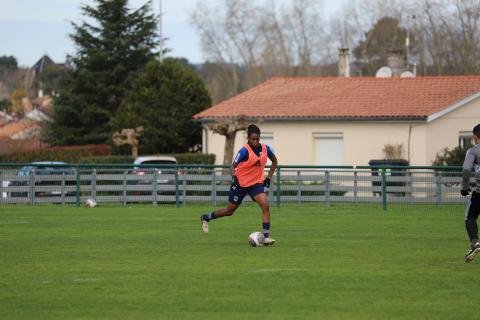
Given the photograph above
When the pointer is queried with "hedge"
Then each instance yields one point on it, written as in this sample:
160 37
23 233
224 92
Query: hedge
94 154
182 158
64 154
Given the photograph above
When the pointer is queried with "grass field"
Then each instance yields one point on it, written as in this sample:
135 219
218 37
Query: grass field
155 263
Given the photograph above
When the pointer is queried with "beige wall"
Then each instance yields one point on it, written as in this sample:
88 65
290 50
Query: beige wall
294 141
444 131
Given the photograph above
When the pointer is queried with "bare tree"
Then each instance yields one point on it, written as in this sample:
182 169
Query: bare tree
256 40
450 32
229 129
128 136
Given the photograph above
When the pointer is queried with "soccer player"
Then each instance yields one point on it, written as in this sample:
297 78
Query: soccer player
247 172
472 160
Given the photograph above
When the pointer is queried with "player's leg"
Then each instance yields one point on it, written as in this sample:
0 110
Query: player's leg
235 198
471 226
261 198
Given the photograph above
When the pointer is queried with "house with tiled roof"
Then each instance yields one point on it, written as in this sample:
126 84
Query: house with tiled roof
25 133
20 135
349 121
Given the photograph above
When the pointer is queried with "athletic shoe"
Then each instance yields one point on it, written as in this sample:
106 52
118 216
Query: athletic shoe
472 252
204 224
269 241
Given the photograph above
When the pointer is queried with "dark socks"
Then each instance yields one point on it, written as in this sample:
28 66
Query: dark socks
210 216
266 229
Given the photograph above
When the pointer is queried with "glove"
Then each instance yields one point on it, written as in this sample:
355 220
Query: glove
235 181
266 182
465 192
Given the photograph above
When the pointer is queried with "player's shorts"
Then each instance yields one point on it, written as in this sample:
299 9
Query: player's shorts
473 208
237 193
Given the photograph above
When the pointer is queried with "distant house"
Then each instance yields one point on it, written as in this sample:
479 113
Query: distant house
5 117
42 109
349 121
25 133
20 135
42 63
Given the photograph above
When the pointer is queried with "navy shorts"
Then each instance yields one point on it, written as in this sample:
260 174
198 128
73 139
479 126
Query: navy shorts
237 193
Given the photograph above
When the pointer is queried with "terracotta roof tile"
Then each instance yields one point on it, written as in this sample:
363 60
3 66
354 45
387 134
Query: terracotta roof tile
16 127
329 97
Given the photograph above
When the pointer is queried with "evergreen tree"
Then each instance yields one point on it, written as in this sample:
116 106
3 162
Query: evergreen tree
110 50
386 34
8 62
163 99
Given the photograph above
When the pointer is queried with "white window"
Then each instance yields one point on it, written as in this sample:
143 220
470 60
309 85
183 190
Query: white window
329 148
465 139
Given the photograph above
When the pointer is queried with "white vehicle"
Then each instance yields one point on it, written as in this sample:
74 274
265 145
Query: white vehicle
163 160
164 174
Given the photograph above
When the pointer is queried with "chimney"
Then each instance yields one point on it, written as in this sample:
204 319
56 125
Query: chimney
396 61
343 63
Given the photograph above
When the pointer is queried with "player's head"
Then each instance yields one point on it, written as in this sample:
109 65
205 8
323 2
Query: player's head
476 133
253 135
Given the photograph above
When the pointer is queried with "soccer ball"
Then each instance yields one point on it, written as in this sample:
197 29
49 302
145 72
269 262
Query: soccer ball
256 239
90 203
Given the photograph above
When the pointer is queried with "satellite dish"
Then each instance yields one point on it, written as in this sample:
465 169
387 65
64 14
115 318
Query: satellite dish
384 72
407 74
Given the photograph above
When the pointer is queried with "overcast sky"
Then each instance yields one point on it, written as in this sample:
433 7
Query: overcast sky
32 28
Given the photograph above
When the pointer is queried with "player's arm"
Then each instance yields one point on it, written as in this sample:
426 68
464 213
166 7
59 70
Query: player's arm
273 167
467 172
232 173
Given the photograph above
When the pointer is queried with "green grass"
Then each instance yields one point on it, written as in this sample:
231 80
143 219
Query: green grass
155 263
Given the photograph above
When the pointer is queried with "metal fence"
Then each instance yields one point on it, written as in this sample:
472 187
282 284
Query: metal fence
181 185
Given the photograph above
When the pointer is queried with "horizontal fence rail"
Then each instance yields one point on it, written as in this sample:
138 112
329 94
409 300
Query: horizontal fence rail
183 184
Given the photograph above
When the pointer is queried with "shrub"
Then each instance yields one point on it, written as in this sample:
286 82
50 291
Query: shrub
65 154
194 158
92 154
450 157
106 159
182 158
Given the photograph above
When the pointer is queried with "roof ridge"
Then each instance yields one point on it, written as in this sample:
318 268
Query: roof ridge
339 97
373 78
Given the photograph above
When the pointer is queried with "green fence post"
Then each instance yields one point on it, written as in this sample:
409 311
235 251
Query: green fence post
32 187
94 184
384 190
278 187
355 186
1 187
177 200
78 186
299 187
155 188
213 194
184 187
327 188
63 188
439 187
124 191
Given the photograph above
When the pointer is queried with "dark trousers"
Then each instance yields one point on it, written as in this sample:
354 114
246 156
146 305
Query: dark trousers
471 216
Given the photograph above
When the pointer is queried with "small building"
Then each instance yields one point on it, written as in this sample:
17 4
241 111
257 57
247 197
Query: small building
350 121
